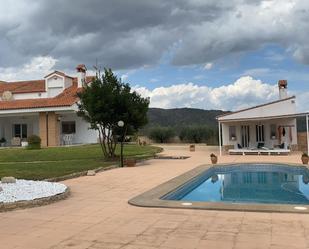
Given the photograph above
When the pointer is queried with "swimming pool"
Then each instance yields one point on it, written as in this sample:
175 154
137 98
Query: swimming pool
261 187
247 183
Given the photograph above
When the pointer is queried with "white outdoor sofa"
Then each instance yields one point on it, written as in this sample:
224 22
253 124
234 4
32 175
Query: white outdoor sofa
259 151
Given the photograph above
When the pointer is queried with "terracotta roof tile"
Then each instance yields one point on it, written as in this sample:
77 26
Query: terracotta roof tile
67 98
23 86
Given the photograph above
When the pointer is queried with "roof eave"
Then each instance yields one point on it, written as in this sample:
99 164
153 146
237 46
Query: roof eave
292 115
254 107
40 109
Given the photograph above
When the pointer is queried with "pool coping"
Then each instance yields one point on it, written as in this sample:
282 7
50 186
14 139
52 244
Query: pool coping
151 198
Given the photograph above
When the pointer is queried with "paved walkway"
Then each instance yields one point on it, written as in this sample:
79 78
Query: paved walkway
97 215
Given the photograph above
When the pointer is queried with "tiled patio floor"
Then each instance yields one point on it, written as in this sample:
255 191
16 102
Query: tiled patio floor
97 215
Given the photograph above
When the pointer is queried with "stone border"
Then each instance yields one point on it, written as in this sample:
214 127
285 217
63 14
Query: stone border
153 197
79 174
4 207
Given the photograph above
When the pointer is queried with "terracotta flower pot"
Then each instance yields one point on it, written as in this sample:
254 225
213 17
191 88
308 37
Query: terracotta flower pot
192 147
130 162
305 159
214 159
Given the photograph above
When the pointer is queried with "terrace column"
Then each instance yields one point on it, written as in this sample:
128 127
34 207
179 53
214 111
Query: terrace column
220 145
307 133
49 129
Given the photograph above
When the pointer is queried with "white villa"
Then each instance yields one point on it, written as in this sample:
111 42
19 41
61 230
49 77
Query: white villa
269 128
46 108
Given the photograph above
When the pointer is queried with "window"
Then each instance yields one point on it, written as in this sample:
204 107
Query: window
259 129
20 130
232 133
273 129
68 127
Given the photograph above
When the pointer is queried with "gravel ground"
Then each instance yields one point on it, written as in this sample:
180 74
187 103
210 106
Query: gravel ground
24 190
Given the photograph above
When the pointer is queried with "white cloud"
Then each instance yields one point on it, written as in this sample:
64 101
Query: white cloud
249 26
192 32
257 71
35 69
208 66
243 93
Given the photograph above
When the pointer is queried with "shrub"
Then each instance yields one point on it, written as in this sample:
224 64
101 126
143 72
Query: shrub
195 134
161 134
34 142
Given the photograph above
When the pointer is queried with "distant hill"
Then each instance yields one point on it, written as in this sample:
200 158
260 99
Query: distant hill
178 117
182 117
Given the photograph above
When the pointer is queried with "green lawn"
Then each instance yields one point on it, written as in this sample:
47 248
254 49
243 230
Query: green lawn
59 161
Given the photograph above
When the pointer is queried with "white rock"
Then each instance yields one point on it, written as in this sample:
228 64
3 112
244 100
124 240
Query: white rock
8 179
24 190
91 173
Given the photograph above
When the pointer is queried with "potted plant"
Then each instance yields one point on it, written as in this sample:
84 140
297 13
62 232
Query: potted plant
34 142
213 158
130 162
2 141
305 158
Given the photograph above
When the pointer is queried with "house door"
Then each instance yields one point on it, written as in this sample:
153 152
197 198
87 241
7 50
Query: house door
245 136
20 130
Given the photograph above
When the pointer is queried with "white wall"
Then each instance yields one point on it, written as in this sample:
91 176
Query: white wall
6 125
267 123
52 92
68 82
54 85
29 95
83 134
54 81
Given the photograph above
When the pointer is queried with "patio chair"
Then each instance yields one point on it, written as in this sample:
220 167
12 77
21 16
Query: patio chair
67 139
16 141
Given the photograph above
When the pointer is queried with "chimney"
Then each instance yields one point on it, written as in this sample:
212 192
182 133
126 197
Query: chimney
81 75
283 85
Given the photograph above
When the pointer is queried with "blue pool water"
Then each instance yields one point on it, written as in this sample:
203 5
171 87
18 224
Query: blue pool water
247 183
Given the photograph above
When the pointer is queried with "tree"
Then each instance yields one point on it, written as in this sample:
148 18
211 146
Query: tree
161 134
104 102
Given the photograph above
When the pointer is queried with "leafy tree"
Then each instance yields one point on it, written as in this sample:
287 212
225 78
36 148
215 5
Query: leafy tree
161 134
106 101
